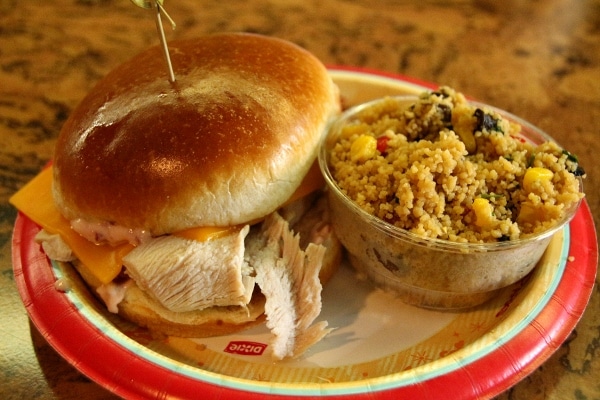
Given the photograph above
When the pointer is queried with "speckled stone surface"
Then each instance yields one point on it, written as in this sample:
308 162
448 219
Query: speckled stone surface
537 59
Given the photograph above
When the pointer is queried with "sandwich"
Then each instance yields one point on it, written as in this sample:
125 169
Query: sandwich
194 208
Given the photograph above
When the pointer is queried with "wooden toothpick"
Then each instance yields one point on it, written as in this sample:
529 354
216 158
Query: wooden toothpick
163 40
157 4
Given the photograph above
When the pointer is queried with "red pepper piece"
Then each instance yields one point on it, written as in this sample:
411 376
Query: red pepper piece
382 144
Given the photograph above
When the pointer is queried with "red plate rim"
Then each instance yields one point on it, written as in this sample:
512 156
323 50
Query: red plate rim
105 362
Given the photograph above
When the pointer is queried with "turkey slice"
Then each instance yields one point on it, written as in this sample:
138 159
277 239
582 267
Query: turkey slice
288 277
185 275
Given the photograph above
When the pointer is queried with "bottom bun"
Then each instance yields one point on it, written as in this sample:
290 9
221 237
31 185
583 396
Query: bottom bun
141 309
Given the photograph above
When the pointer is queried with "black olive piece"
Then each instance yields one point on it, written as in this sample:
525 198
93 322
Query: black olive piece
446 113
443 94
579 171
485 121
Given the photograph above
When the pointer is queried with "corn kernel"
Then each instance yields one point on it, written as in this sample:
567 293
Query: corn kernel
484 212
363 148
536 174
528 214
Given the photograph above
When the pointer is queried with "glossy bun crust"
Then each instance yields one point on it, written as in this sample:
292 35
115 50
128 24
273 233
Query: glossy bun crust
228 142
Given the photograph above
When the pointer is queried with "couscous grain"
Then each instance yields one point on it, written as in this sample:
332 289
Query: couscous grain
444 168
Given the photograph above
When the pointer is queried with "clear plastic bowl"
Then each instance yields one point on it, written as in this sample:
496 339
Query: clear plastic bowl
430 273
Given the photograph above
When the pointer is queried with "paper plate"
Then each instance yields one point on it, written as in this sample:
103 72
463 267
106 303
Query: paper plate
381 348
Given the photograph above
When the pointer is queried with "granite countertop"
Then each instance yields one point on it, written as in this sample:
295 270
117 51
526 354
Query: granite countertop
537 59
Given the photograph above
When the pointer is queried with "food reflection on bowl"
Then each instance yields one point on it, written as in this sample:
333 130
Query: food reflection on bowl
445 201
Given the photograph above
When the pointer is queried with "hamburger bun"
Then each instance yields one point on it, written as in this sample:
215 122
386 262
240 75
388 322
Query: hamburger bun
228 142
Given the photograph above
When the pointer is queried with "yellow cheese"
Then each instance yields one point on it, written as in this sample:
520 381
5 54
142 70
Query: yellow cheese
312 181
35 201
102 261
207 233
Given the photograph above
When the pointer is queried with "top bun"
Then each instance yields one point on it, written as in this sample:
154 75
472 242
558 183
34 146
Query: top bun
227 143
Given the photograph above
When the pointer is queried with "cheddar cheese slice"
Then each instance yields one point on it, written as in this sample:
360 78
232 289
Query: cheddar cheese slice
35 201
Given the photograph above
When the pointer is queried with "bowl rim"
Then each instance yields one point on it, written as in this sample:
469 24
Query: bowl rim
443 244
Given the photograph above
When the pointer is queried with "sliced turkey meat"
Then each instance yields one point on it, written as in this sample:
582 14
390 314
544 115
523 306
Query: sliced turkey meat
185 275
288 277
54 246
